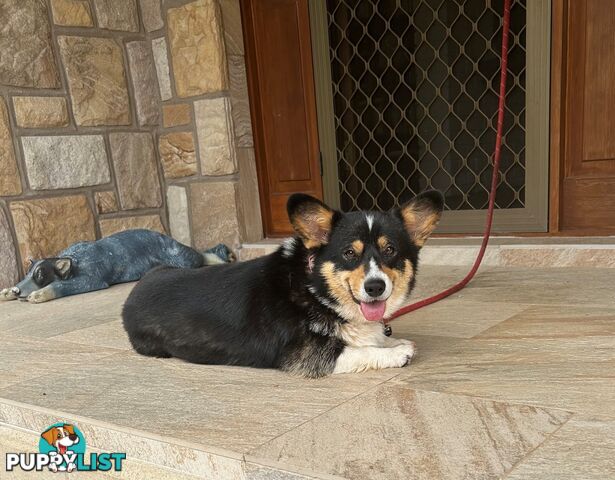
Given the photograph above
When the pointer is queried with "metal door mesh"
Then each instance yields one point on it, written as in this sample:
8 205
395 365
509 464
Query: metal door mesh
415 90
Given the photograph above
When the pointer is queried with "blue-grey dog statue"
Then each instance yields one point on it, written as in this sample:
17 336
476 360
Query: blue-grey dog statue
122 257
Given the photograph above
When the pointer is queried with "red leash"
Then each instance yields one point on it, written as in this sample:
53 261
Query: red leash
494 180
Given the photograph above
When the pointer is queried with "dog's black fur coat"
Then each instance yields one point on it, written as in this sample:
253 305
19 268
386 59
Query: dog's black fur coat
254 313
272 312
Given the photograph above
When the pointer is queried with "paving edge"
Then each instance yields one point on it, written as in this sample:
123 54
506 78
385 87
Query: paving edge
167 452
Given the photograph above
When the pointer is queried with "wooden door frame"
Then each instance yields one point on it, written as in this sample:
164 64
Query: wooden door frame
577 176
559 141
255 97
559 9
255 112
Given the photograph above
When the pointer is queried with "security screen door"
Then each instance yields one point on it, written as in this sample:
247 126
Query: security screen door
407 95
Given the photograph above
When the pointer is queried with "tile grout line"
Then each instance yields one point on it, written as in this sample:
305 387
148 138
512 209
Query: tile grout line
287 468
497 400
13 384
85 328
531 452
94 348
250 452
74 342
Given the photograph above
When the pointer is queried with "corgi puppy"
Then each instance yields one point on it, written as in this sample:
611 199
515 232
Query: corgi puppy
314 307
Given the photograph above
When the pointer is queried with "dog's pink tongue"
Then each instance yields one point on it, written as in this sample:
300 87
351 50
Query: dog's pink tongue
373 311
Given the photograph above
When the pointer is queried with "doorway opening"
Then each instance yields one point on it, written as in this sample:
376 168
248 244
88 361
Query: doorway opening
407 101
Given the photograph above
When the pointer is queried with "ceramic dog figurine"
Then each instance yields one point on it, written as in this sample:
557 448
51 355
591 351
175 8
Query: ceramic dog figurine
122 257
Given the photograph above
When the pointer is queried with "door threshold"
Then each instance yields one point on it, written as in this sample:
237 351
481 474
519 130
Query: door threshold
538 252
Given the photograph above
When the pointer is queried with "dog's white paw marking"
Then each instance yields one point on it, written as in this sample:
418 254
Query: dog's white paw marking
7 294
403 354
40 296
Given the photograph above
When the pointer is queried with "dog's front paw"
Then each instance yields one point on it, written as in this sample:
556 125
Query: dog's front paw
403 354
7 294
40 296
71 467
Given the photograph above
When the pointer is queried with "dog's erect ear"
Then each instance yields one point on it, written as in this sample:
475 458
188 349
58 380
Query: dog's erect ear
63 267
50 436
311 219
69 428
421 215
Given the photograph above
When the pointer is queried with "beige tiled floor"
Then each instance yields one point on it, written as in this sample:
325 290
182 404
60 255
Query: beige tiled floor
515 378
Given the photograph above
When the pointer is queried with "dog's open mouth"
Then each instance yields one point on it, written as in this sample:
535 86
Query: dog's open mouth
373 311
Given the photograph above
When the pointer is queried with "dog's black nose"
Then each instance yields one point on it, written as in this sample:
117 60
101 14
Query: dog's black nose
73 437
374 287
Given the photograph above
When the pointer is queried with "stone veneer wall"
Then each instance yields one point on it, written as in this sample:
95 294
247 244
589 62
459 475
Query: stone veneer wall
118 114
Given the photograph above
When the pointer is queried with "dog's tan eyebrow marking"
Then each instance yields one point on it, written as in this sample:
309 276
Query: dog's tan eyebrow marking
383 241
358 247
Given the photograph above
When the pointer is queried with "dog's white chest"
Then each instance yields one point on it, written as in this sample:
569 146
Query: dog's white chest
362 334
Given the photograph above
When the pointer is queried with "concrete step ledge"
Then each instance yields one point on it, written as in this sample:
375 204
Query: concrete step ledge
545 252
150 454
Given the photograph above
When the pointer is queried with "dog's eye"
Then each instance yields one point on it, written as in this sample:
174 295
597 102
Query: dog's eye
389 251
349 254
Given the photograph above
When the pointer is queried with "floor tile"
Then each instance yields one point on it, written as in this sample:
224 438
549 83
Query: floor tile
109 334
153 448
584 448
229 407
575 374
64 314
546 286
499 366
431 279
428 347
135 470
257 471
397 432
154 455
22 359
556 321
443 318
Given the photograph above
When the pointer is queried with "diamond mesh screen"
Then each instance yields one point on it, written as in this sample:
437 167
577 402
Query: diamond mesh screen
415 90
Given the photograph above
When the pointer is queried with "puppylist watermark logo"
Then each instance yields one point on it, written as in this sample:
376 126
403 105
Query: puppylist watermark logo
62 449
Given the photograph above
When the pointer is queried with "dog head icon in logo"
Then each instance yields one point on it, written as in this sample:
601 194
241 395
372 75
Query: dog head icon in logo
66 441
